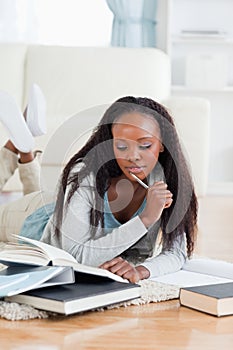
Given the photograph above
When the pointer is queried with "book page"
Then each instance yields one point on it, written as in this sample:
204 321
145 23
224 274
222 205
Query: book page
184 278
211 267
14 253
51 251
61 257
91 270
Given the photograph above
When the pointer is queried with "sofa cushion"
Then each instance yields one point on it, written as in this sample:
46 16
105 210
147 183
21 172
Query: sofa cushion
76 78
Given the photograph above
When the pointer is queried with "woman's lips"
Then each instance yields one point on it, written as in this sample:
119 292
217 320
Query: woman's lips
135 170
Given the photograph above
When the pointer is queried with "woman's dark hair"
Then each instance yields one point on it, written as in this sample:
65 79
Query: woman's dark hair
97 157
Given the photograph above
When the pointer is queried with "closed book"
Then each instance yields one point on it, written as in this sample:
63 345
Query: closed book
214 299
88 293
18 279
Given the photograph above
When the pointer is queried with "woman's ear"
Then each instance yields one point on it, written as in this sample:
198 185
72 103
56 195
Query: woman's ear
161 148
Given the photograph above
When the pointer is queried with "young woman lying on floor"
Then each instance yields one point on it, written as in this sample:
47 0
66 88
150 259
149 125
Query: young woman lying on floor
103 215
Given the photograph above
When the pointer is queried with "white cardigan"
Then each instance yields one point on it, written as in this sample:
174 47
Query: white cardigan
76 237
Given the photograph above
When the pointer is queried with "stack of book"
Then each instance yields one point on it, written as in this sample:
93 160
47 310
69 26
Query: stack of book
51 279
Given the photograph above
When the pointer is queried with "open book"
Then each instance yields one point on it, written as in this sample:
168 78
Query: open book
35 253
199 271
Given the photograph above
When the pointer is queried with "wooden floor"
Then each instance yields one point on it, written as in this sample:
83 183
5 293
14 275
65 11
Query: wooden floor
160 326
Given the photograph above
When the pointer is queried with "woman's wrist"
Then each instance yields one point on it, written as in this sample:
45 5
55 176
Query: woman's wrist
146 222
143 272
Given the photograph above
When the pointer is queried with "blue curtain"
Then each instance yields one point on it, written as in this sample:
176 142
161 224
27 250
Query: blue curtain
134 23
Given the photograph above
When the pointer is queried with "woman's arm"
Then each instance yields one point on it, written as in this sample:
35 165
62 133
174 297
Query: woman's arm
76 233
168 261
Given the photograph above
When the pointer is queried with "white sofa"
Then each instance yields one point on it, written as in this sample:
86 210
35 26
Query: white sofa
84 81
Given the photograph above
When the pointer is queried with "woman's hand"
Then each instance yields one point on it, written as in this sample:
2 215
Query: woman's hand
158 198
126 270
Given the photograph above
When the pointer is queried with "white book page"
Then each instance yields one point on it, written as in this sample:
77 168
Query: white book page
13 252
61 257
211 267
52 252
184 278
92 270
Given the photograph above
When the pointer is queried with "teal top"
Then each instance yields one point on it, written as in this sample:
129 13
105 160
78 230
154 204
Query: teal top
110 221
34 224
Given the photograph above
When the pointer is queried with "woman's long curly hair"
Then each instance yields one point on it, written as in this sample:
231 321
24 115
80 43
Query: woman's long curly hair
97 157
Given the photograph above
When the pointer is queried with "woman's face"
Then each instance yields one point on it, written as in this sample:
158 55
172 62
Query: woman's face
136 144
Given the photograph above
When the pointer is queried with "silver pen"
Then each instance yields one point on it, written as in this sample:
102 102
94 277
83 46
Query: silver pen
139 181
145 186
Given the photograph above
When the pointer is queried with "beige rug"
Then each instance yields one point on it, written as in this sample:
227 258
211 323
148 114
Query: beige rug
151 292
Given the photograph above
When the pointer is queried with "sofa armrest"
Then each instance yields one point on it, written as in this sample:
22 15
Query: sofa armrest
192 119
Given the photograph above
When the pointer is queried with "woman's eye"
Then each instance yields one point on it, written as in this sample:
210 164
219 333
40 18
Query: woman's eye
146 146
121 147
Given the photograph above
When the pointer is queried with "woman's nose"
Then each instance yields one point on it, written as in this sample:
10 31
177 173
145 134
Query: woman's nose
133 154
